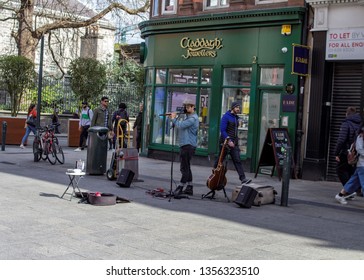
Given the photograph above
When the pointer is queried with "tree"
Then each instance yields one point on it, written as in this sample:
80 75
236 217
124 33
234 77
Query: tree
16 75
88 78
70 14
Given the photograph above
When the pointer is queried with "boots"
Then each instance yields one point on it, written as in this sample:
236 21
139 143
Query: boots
188 190
178 190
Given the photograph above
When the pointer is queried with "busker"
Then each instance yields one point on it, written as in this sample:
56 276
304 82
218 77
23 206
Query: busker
229 129
187 130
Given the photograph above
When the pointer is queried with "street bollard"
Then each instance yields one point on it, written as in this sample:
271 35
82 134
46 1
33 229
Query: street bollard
286 176
3 136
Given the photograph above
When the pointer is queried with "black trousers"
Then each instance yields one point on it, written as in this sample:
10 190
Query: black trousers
344 170
83 136
186 153
235 157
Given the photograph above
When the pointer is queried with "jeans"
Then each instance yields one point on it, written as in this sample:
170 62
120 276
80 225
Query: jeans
235 157
356 181
186 153
344 170
83 136
27 132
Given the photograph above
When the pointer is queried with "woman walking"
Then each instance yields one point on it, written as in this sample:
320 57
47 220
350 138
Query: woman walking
30 124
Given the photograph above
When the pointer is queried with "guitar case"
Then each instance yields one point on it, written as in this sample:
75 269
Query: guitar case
246 196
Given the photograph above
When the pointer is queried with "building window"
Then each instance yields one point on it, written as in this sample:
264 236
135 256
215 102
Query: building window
155 8
257 2
271 76
214 4
237 82
169 7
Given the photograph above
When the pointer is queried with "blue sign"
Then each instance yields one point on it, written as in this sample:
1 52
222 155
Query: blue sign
289 103
300 60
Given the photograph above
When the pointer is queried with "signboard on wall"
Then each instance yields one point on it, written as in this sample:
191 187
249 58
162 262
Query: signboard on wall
345 44
300 60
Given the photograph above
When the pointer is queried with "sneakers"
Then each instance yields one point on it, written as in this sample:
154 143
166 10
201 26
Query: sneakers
246 181
341 199
178 190
22 146
188 190
78 150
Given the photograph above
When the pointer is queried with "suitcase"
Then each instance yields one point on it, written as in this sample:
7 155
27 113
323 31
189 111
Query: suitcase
125 178
246 196
266 194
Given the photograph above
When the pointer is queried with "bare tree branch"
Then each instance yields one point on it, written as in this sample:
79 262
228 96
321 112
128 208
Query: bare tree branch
53 55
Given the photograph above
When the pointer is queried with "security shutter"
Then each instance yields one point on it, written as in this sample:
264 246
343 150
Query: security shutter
346 91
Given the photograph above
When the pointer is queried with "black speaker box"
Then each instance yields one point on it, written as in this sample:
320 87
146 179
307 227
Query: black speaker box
246 196
125 178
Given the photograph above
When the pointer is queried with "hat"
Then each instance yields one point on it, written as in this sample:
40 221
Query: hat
84 103
189 101
234 104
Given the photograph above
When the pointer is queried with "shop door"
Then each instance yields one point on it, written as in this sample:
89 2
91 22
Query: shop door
270 107
347 90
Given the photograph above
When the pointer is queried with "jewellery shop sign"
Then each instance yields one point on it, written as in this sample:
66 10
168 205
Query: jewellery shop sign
200 47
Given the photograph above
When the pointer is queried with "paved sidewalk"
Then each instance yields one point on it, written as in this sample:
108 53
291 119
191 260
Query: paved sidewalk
35 223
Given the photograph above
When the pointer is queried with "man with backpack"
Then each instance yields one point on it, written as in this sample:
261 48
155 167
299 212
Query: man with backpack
84 125
356 181
348 132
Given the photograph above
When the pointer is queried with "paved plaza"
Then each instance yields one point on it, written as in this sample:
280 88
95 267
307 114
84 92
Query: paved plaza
36 223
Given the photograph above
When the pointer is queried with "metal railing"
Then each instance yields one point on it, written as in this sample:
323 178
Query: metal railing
58 94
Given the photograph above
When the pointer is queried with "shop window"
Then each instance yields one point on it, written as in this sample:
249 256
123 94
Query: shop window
271 76
146 117
155 8
214 4
169 7
149 77
183 76
161 76
204 117
237 83
159 102
206 76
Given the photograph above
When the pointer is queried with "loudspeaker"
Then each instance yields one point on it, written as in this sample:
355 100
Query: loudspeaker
246 196
125 177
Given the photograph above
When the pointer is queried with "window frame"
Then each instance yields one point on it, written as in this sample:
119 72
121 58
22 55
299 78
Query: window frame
218 6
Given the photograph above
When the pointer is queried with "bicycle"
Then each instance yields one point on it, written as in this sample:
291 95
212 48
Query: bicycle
46 146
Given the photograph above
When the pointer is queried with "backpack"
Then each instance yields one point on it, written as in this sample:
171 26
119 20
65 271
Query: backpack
353 154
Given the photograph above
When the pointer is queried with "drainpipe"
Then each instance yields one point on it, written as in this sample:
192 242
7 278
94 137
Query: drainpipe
299 130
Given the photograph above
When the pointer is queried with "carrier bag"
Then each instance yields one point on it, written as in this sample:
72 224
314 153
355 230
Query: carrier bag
246 196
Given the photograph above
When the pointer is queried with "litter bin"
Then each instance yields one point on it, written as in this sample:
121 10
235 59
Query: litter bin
97 150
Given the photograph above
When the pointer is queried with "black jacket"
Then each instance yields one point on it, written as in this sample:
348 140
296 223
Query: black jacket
348 131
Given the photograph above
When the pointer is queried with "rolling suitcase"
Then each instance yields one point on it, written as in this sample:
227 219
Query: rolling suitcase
246 196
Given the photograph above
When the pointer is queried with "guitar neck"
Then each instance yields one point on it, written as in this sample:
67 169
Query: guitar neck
222 152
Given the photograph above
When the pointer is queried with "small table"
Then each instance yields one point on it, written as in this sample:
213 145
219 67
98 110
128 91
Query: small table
75 177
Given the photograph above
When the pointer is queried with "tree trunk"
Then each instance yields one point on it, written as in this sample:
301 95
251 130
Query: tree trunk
27 39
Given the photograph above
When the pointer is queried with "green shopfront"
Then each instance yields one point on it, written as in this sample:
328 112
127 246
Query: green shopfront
217 59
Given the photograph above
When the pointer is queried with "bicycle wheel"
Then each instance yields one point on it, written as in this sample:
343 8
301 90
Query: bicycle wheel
37 149
59 152
51 154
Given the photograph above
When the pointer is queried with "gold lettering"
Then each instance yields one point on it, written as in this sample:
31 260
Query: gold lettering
302 60
200 47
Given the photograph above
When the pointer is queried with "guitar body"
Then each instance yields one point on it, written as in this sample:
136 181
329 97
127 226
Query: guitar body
217 180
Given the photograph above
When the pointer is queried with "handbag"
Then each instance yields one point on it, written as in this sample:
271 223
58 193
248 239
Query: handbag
30 121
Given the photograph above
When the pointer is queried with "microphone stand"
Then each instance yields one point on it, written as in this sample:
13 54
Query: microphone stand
172 155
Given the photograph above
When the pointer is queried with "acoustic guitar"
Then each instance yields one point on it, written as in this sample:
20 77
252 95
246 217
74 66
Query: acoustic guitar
217 180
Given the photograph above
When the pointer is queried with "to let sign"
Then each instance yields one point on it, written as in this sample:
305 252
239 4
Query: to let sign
345 44
300 60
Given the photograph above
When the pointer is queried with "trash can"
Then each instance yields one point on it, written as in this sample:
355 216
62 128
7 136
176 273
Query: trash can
97 150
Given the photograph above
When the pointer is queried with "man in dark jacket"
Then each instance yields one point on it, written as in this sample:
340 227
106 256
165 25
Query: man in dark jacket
229 129
347 135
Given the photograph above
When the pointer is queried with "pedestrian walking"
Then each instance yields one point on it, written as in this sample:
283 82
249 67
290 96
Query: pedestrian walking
30 124
84 125
348 131
356 180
